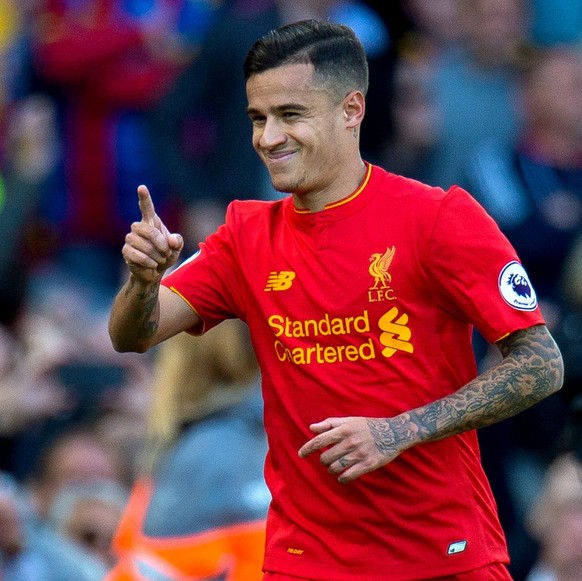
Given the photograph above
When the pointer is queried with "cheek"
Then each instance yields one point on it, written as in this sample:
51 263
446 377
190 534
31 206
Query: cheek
255 140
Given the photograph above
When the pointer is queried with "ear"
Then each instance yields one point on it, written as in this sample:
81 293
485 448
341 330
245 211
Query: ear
354 105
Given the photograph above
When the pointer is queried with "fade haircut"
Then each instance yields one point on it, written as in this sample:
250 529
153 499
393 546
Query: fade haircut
337 56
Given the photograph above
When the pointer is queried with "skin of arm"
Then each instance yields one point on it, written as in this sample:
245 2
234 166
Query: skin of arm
531 370
143 312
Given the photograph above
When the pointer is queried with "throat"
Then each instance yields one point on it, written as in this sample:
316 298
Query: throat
336 192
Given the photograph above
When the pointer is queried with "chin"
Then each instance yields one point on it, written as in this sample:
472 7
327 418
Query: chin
285 186
282 189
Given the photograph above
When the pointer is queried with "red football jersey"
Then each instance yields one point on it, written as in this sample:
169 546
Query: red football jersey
366 309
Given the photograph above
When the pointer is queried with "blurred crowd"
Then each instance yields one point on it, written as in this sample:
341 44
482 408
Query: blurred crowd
111 464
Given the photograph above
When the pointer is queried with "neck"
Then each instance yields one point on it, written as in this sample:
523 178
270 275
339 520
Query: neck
346 182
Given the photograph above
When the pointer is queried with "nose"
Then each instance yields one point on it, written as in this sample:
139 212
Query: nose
270 135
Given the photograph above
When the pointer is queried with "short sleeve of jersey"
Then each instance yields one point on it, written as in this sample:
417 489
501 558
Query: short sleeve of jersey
210 281
477 271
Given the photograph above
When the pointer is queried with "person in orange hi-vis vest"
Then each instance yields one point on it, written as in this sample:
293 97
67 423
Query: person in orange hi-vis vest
198 510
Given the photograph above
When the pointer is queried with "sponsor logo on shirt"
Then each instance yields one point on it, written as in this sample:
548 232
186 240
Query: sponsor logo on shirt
280 281
457 547
515 287
394 336
378 269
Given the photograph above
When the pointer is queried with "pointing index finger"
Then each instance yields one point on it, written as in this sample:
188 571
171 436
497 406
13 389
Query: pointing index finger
148 212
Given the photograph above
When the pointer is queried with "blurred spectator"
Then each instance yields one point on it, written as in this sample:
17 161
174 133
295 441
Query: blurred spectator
106 64
472 84
435 26
414 118
555 521
27 154
571 283
37 536
198 509
27 396
201 122
433 32
18 562
61 371
88 514
77 456
572 275
534 191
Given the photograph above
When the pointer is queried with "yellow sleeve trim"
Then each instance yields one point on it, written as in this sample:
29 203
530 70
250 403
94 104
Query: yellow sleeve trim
195 333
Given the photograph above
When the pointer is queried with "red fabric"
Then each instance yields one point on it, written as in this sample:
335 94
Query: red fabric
334 340
495 572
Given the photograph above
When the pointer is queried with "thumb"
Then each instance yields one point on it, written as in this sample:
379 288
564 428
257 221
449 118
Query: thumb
175 241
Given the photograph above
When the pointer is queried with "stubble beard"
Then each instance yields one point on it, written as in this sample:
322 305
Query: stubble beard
288 185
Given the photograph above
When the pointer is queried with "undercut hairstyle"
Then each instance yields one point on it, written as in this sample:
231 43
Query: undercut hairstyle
337 55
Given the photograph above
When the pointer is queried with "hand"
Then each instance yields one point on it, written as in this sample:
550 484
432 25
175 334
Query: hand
355 445
149 248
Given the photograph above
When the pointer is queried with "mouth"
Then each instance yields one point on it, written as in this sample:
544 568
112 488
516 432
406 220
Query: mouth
277 156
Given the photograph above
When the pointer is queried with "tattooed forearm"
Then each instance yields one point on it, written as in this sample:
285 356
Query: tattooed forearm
416 425
146 314
530 371
134 317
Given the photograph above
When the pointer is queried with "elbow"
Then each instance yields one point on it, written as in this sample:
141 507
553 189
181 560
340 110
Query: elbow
127 344
556 366
552 370
127 348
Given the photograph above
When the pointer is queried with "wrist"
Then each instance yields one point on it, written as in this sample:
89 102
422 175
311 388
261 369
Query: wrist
146 282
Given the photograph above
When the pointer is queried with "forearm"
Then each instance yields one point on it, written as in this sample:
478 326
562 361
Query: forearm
530 371
134 317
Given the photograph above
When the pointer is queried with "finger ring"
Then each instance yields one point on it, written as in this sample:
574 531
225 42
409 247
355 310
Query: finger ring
343 462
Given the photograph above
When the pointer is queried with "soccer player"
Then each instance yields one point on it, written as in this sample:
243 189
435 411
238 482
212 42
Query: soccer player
360 290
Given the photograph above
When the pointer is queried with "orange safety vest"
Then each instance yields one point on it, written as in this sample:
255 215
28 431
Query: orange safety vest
228 553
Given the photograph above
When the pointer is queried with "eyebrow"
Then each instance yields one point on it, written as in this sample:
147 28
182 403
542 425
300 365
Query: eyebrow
279 108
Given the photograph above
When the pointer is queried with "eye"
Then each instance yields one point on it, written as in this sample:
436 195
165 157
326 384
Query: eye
257 120
290 115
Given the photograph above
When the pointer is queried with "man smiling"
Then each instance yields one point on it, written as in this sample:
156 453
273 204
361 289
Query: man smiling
373 460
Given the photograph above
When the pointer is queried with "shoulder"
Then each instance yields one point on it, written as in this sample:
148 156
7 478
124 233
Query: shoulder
253 211
429 207
409 189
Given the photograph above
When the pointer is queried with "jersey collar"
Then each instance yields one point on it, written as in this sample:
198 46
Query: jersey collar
334 210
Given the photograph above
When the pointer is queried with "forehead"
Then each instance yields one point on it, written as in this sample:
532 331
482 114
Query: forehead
293 83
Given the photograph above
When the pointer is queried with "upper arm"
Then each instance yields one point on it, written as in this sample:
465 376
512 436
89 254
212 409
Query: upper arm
535 350
176 315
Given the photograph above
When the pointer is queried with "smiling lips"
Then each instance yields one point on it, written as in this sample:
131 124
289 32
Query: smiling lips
275 156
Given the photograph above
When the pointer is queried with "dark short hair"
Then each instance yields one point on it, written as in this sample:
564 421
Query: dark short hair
337 55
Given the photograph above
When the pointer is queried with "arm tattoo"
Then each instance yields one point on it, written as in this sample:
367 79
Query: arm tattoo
531 370
146 314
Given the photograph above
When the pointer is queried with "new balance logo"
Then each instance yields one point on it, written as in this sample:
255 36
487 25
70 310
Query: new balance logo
396 335
279 281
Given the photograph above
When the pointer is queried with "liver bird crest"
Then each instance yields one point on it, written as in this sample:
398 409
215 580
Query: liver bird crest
379 265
